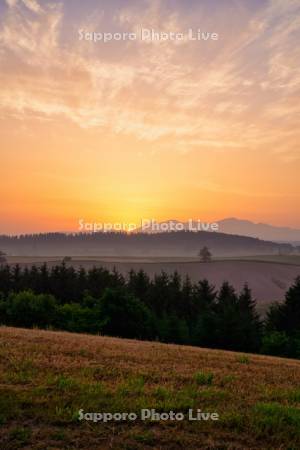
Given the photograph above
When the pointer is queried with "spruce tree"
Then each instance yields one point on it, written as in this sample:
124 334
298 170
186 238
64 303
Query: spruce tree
204 309
250 326
227 326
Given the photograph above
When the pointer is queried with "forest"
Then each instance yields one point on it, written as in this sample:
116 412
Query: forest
165 308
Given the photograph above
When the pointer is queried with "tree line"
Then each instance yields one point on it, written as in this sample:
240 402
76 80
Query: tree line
175 243
166 308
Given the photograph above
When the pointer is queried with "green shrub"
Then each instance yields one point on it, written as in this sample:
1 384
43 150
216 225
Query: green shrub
243 359
204 378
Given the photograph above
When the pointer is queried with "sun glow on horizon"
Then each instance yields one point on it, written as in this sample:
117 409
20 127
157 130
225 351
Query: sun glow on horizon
164 130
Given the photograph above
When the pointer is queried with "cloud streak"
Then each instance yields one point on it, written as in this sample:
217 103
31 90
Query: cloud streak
230 94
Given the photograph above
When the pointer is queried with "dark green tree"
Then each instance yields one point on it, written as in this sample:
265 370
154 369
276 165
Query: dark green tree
250 326
27 309
227 322
124 315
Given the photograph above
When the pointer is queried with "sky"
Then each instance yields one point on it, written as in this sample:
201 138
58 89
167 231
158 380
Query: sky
135 129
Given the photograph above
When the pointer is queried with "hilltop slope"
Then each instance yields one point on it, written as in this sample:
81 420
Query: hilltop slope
47 377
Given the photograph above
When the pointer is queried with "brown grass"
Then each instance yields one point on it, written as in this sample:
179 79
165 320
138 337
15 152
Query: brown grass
46 377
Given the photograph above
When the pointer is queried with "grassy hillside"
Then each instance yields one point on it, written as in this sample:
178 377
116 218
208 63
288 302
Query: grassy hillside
47 377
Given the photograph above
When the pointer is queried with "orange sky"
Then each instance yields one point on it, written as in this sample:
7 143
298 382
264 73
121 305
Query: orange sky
202 130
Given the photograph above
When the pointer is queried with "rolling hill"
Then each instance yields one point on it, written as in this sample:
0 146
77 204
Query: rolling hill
46 378
267 276
137 244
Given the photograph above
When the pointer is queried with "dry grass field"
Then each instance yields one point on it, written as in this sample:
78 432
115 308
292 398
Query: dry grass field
47 377
280 259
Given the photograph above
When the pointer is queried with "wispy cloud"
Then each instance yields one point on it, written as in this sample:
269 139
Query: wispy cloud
229 94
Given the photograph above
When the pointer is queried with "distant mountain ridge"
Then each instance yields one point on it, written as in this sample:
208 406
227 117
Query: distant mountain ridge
239 227
259 230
